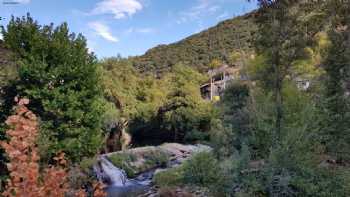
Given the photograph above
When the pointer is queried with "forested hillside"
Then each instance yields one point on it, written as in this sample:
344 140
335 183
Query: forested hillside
218 43
71 124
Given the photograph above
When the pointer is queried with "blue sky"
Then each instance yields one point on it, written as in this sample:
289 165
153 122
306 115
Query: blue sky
128 27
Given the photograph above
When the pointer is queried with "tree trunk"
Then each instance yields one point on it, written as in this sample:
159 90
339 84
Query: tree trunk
278 98
279 111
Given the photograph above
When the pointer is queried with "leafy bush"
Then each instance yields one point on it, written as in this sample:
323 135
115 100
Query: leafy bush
234 129
202 170
173 192
169 178
25 177
156 158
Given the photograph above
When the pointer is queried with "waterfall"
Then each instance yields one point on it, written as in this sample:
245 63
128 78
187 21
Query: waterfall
107 172
118 184
116 180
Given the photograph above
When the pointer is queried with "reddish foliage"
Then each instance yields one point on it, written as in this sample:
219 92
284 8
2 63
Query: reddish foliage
168 192
98 191
25 178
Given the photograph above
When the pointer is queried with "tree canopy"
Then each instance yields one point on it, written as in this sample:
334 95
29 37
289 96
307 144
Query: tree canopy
59 76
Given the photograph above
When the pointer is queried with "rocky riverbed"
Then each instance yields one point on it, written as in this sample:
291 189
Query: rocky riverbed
129 173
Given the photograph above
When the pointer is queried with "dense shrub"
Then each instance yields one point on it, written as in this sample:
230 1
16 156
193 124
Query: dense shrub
170 178
202 170
26 180
172 192
234 129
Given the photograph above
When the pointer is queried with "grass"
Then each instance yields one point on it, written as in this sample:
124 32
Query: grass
170 178
87 163
149 160
123 161
156 159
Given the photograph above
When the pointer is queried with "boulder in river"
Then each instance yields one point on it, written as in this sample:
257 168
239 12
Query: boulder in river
129 173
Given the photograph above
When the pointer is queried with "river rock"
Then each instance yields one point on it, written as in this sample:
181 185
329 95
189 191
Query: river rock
140 164
138 160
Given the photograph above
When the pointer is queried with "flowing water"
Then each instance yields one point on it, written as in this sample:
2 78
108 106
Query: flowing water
118 183
107 172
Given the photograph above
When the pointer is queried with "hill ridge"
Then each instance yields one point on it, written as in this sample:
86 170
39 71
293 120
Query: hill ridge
199 49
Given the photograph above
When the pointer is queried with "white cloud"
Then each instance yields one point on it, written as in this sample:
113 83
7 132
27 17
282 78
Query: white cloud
22 1
202 8
145 30
103 31
1 37
118 8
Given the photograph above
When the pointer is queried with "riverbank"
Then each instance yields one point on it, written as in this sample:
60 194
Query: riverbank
130 173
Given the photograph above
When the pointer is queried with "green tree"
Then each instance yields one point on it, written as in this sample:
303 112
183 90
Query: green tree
283 22
337 83
215 63
8 74
185 114
235 118
59 76
131 97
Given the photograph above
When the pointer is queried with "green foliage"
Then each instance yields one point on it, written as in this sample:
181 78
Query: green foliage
182 113
169 178
8 67
234 57
129 95
60 78
235 129
156 158
299 110
122 161
134 163
284 22
269 137
215 63
158 110
202 170
8 74
120 84
86 164
336 97
185 112
292 168
199 50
